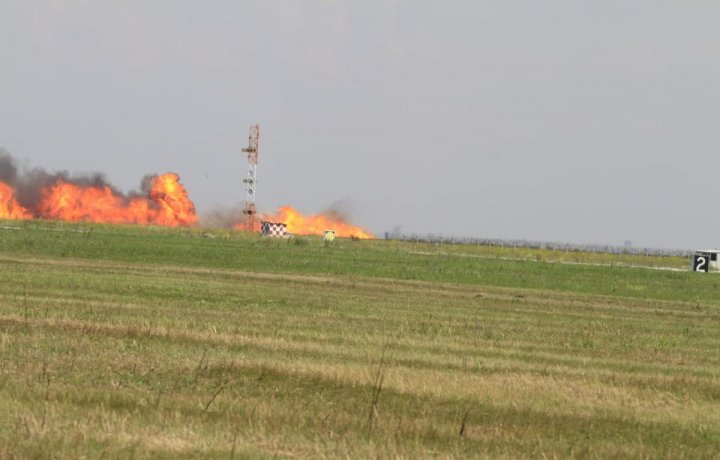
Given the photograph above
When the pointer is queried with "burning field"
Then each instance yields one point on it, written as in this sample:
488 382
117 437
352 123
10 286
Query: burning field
163 200
315 224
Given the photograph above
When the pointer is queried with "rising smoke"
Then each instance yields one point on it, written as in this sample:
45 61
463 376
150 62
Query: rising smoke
341 210
27 193
222 217
29 184
36 193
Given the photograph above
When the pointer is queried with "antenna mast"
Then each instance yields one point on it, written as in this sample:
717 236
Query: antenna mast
251 178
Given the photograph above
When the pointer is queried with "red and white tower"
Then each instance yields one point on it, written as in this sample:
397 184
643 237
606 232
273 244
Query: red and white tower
251 177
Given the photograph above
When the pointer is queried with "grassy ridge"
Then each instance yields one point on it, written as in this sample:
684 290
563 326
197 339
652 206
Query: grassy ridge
138 342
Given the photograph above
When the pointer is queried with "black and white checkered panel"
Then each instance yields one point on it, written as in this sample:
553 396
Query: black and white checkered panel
273 229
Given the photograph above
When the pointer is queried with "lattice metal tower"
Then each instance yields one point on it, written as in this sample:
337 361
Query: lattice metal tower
251 177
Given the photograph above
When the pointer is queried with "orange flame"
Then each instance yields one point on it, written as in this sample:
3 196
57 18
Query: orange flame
175 205
9 207
168 204
316 224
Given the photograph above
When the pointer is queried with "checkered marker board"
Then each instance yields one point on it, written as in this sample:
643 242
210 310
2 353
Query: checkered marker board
273 229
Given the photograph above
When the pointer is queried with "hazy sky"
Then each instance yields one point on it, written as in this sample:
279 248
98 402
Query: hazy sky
580 121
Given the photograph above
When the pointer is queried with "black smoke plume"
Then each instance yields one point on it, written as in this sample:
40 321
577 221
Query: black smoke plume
29 183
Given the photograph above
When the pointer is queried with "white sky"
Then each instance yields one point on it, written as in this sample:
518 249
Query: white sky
577 120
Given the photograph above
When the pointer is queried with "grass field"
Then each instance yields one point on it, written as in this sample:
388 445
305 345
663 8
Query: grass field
149 342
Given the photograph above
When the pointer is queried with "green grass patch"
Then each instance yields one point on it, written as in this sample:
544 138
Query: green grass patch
149 342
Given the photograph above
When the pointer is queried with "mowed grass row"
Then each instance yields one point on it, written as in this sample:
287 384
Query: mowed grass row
92 235
476 265
135 343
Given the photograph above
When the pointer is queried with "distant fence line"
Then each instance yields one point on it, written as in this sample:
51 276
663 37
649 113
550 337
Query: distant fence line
527 244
